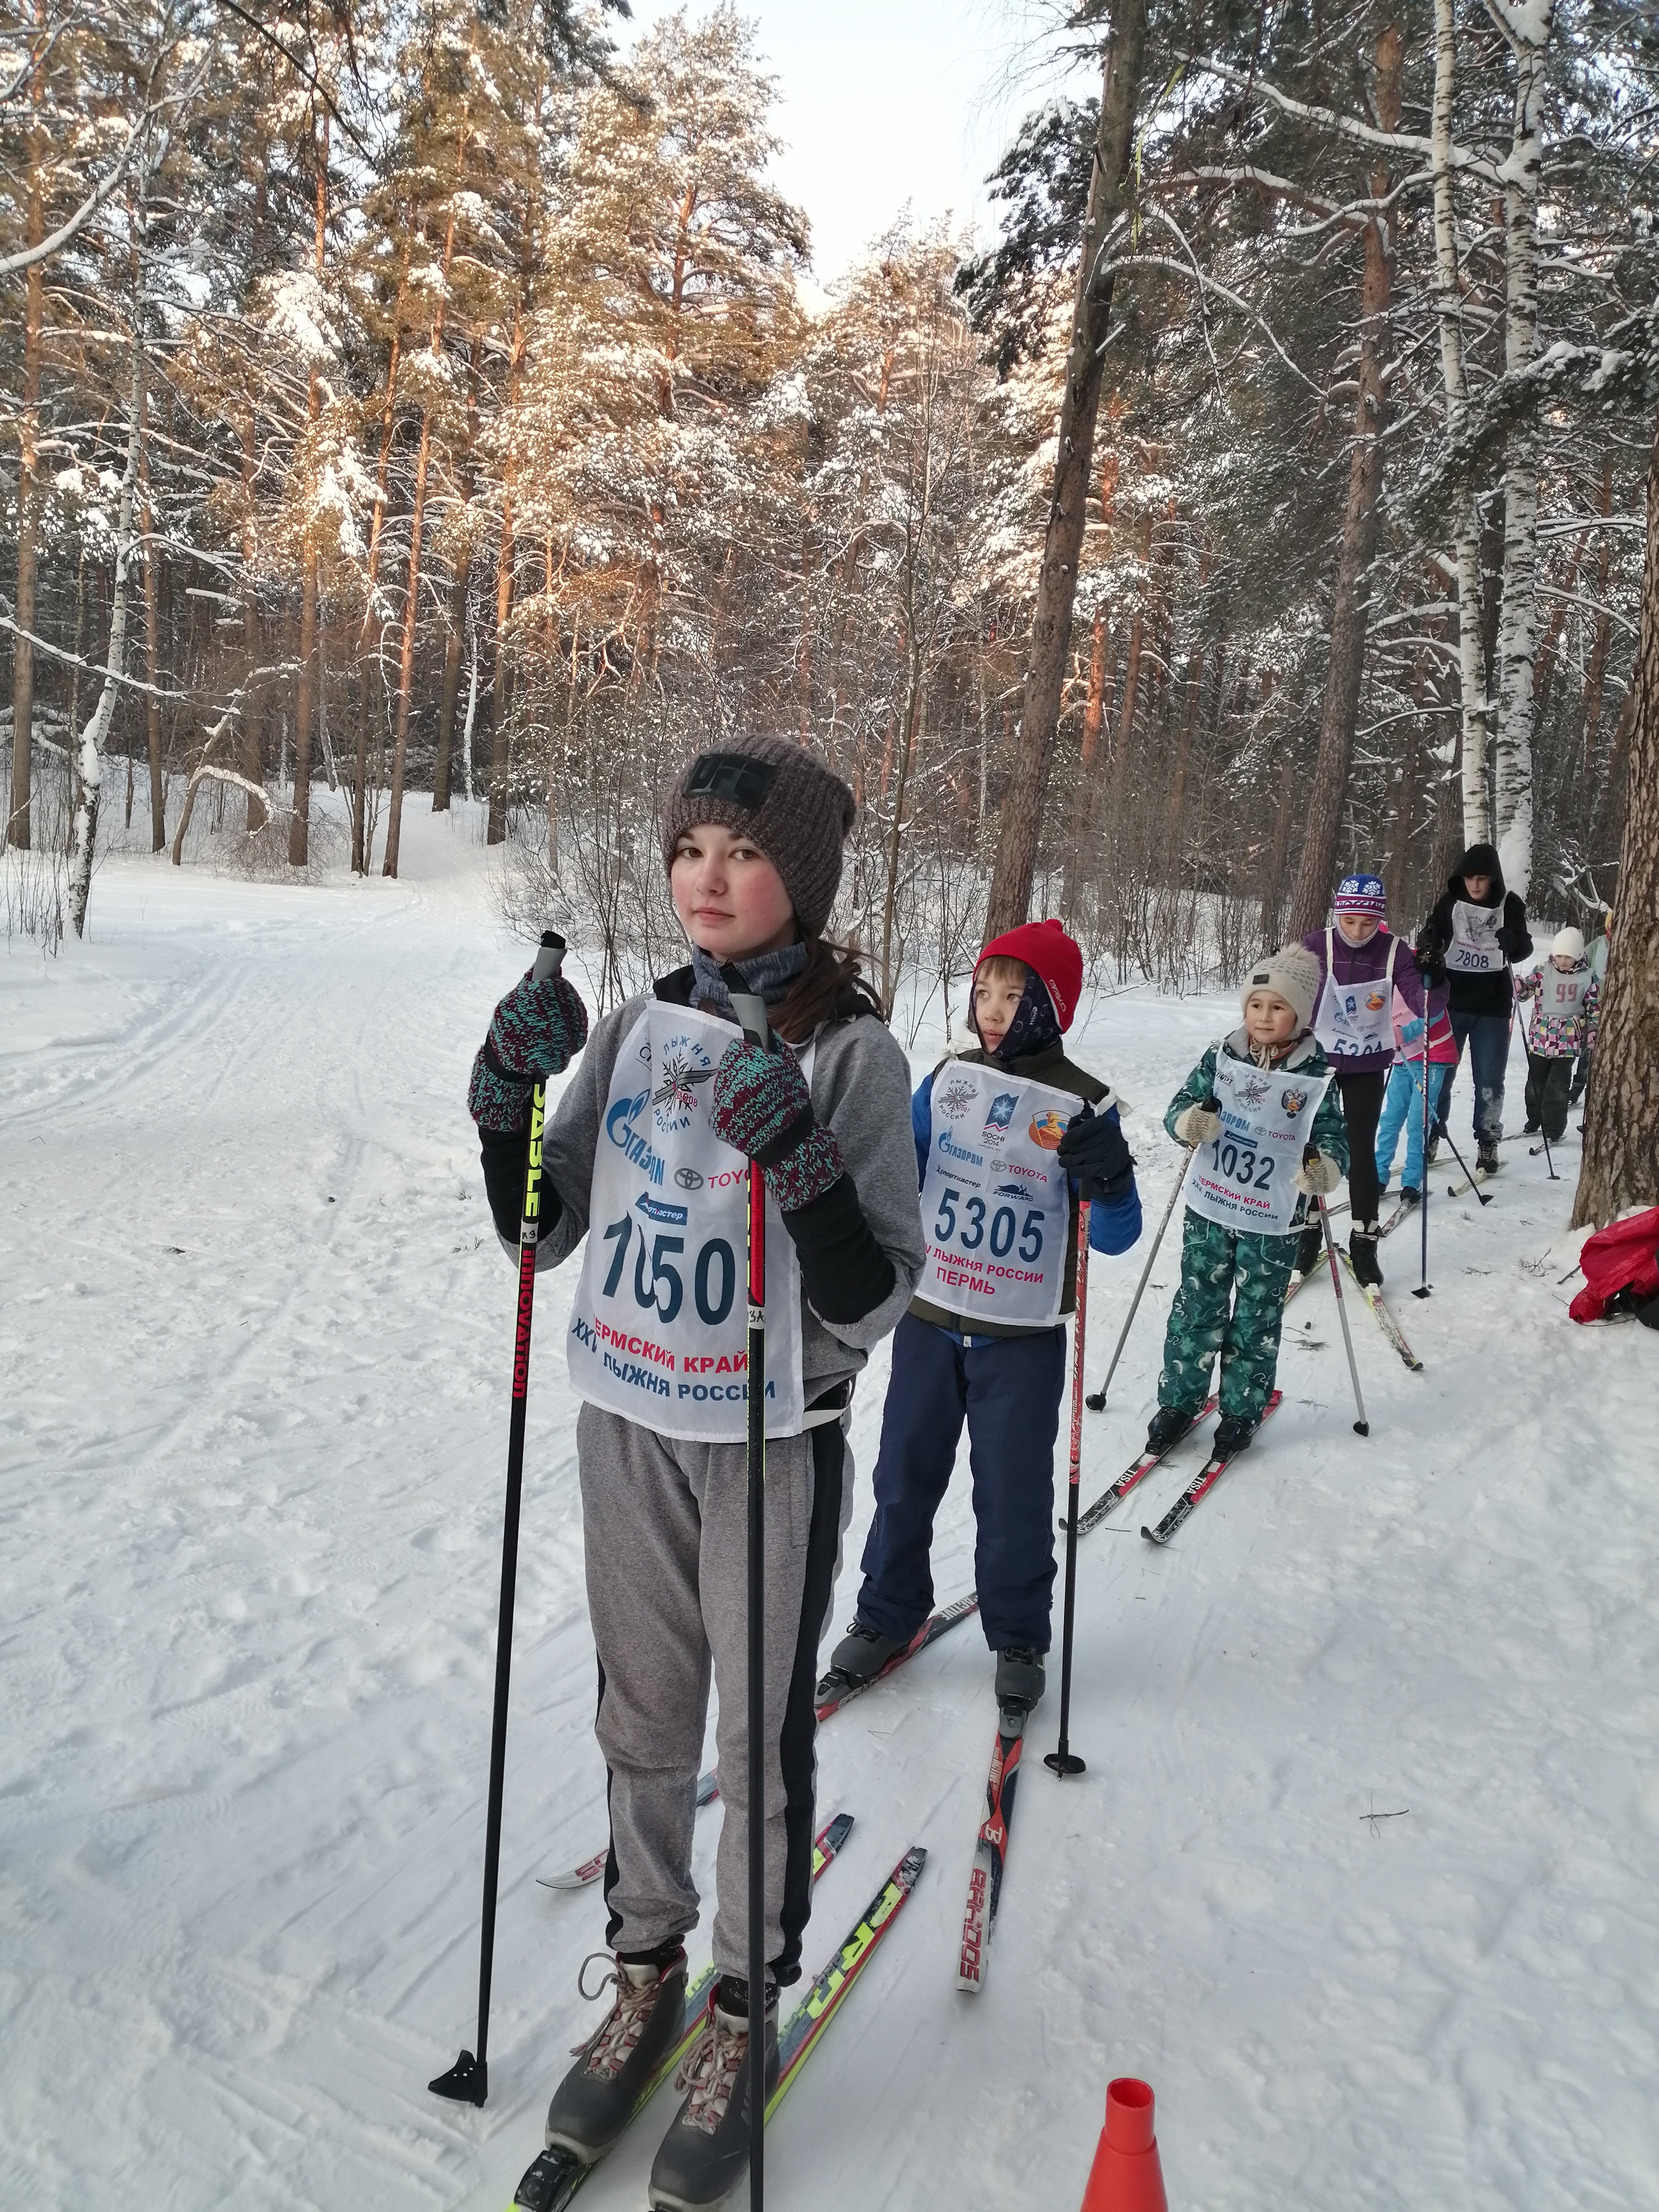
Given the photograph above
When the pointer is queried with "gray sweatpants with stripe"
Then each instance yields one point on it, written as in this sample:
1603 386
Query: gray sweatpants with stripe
665 1526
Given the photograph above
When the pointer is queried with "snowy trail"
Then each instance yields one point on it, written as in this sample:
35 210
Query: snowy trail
254 1331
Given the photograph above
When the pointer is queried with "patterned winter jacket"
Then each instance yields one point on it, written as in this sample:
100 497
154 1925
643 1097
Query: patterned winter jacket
1555 1035
1307 1056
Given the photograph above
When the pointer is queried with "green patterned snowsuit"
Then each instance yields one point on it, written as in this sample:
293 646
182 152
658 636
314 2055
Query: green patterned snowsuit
1213 1260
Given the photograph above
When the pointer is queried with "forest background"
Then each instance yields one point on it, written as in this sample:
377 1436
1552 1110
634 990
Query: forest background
421 402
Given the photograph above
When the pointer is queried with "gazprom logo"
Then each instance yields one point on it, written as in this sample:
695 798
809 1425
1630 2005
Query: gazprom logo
955 1152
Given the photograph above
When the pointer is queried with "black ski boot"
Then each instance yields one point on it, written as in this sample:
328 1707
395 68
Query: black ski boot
1362 1255
1410 1195
1167 1427
1432 1152
1309 1246
595 2102
1021 1676
1233 1432
705 2155
860 1655
1485 1155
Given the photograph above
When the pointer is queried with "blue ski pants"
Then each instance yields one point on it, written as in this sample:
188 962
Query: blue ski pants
1402 1107
1008 1391
1488 1039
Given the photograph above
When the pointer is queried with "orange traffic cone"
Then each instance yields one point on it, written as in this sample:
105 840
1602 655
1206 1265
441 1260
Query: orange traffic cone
1125 2176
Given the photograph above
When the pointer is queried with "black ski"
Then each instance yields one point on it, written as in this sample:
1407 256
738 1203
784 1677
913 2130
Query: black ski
1136 1472
979 1919
835 1691
1201 1484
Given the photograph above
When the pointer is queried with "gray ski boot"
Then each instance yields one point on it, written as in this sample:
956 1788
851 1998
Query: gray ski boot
596 2099
1021 1677
860 1655
705 2155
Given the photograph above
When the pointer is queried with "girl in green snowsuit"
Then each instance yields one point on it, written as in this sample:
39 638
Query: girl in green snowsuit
1231 1299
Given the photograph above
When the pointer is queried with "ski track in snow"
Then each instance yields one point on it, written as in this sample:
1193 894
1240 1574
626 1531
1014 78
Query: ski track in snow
256 1336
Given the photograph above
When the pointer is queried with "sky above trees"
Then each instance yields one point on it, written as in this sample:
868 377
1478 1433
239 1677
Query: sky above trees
885 101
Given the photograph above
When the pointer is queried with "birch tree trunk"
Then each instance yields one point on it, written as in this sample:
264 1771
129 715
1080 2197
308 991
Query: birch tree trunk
298 828
28 444
1621 1163
89 753
1465 526
1051 616
1527 29
1317 870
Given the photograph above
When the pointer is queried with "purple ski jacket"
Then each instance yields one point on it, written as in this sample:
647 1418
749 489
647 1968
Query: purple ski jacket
1365 963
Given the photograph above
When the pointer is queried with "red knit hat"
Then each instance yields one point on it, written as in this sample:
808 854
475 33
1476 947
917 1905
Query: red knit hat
1044 947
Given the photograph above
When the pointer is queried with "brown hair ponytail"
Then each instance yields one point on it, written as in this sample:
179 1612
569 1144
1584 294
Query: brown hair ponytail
829 986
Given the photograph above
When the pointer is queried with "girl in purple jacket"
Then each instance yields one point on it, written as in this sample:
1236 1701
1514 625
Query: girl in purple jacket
1362 964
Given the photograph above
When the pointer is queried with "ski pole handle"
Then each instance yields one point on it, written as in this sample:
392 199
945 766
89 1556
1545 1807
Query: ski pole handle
550 959
751 1011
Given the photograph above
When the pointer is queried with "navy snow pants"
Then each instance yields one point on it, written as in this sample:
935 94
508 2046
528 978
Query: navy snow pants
1008 1391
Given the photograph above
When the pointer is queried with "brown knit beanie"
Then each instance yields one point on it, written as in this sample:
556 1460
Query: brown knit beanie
797 810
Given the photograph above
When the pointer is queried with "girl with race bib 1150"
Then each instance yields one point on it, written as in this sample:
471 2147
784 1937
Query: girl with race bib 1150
1005 1133
647 1159
1361 966
1252 1110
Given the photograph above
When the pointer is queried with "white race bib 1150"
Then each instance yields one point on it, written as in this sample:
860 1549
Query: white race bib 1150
996 1205
1245 1178
659 1327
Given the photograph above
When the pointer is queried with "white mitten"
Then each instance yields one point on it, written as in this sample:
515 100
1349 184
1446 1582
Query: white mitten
1197 1124
1318 1177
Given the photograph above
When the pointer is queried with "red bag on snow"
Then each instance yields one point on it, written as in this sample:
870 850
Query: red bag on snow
1624 1256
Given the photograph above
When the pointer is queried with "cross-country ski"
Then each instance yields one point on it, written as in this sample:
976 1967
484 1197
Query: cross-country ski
1200 1485
990 1861
1133 1476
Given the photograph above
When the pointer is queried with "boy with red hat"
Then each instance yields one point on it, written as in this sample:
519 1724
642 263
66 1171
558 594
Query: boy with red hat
1007 1137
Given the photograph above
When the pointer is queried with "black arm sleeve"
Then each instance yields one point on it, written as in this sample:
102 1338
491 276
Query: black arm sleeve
502 1151
1515 937
843 1270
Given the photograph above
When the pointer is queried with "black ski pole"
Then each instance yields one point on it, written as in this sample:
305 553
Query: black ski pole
1064 1760
1362 1426
1422 1289
468 2079
752 1013
1441 1130
1096 1399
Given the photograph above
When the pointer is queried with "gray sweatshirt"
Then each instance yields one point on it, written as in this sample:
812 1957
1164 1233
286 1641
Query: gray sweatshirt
860 1086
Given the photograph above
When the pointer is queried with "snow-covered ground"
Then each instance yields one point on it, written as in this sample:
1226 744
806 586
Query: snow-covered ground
254 1336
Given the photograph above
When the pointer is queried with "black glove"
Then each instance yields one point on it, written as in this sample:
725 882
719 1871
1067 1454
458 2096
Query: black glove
1430 965
1093 1150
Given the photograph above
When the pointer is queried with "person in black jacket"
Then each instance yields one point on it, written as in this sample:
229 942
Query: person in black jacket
1476 931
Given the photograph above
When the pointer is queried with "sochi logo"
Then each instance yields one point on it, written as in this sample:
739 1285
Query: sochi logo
998 1120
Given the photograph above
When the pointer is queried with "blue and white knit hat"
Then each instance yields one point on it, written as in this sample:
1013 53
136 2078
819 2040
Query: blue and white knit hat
1362 895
